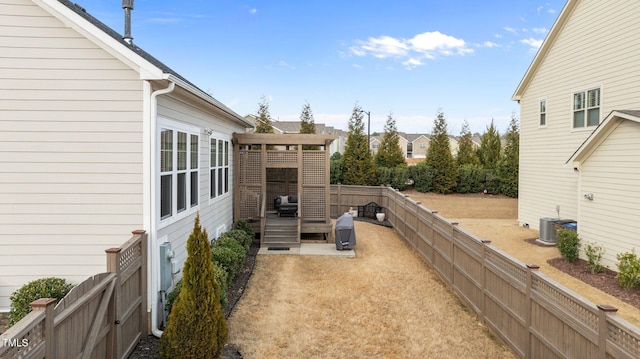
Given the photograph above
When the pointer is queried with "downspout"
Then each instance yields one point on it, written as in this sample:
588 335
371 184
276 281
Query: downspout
154 251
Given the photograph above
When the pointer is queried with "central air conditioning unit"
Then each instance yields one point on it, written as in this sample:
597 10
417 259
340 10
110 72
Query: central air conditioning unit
547 231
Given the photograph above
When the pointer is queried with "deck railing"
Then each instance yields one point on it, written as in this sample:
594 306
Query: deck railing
534 315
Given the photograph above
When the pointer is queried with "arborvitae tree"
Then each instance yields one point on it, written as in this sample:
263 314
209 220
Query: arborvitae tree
264 124
466 153
307 124
357 160
389 153
489 151
439 157
196 326
509 162
336 169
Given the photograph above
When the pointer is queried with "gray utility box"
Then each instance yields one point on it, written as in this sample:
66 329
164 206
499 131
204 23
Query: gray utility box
345 232
548 228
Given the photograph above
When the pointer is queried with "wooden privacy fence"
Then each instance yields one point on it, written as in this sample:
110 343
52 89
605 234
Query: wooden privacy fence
536 316
102 317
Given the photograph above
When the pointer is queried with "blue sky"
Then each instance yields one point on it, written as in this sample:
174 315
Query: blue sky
405 58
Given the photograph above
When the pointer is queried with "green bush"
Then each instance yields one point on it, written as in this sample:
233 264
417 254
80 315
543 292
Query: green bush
396 177
221 278
422 175
40 288
594 254
470 179
490 181
244 225
230 255
241 237
568 243
628 269
196 327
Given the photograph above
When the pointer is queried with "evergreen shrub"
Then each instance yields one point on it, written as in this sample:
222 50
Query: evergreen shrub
568 244
50 287
196 327
422 175
470 179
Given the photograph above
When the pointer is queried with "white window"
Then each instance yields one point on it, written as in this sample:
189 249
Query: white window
543 112
219 170
178 171
586 108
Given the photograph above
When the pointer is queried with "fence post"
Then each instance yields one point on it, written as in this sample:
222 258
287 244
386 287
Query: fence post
47 305
483 304
114 337
144 325
529 314
605 311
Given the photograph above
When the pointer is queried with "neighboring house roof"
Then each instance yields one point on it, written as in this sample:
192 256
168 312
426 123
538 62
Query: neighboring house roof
548 43
165 72
412 137
601 132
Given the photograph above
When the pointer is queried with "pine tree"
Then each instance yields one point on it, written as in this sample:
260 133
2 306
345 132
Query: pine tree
440 158
389 153
265 124
466 153
490 147
307 124
196 326
509 162
357 160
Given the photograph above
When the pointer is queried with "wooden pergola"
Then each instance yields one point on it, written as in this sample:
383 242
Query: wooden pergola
271 165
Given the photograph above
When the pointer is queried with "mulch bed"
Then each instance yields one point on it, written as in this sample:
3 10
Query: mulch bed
605 281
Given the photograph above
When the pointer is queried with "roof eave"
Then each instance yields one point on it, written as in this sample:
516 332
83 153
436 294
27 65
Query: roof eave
544 49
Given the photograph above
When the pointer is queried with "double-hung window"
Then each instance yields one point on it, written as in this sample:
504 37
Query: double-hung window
219 167
178 171
586 108
543 112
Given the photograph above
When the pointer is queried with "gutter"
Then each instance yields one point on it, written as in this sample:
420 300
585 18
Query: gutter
154 251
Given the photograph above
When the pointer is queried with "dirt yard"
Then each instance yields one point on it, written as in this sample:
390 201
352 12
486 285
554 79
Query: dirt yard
387 302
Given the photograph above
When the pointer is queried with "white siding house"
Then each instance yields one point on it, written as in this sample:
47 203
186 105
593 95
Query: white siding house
98 138
582 80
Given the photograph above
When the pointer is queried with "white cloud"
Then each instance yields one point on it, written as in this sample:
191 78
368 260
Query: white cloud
534 43
489 44
510 29
253 11
539 30
414 51
285 64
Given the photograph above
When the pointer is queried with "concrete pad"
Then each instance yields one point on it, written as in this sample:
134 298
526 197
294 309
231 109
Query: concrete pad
312 249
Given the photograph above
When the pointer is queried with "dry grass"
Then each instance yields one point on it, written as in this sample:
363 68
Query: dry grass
386 303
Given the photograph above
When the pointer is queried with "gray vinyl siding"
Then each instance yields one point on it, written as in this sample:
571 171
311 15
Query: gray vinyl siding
71 180
216 212
596 47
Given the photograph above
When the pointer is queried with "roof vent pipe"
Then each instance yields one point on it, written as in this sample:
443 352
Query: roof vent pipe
127 5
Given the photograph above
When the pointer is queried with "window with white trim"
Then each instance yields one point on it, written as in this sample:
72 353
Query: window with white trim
543 112
586 108
219 167
178 171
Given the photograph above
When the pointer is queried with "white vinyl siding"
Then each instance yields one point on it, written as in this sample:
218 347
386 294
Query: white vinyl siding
607 61
214 212
71 180
611 174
